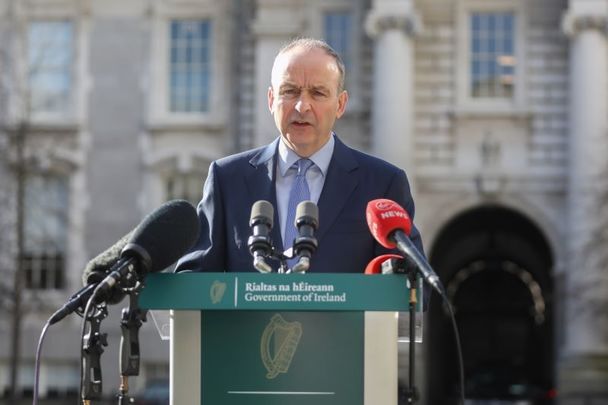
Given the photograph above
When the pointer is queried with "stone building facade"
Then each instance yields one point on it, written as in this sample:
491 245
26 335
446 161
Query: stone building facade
497 109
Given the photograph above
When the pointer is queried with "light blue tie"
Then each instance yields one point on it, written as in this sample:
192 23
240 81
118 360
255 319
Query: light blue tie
299 192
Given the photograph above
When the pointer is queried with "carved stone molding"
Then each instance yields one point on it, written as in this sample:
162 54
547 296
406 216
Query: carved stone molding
279 18
376 24
574 24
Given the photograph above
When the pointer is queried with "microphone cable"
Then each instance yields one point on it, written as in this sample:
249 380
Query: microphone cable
37 362
458 347
38 359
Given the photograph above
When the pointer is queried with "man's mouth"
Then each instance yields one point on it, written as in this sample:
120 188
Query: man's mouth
300 123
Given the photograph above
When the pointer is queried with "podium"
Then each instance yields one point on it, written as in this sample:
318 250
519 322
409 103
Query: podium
271 339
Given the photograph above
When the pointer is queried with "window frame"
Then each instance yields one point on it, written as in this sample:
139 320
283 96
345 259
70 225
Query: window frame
349 58
353 84
17 46
209 44
465 100
36 271
187 182
160 116
70 69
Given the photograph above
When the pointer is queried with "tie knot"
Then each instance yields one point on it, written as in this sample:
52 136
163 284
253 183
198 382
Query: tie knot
302 166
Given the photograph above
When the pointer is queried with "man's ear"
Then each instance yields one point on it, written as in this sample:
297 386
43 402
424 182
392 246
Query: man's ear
342 101
270 98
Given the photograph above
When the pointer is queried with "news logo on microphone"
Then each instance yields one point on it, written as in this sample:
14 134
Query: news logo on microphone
383 217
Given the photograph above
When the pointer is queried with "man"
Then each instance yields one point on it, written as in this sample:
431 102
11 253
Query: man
306 97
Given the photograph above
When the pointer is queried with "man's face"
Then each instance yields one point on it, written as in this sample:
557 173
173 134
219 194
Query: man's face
304 98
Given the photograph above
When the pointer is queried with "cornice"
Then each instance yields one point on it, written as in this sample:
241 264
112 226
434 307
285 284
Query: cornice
574 24
378 23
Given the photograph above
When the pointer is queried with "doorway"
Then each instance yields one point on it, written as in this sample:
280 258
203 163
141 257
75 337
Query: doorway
496 265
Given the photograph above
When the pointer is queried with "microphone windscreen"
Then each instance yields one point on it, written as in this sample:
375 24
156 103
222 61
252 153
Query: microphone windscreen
165 235
375 265
262 211
384 217
98 268
308 211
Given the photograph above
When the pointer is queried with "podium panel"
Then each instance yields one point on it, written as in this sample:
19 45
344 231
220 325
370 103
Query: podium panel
274 358
241 338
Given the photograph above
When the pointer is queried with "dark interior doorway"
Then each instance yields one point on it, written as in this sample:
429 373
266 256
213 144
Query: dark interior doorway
496 266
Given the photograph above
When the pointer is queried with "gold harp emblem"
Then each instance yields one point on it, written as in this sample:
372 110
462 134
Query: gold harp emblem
279 344
216 293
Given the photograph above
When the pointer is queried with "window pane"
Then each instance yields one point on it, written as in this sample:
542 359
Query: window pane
46 227
50 58
186 186
190 54
493 60
337 28
62 378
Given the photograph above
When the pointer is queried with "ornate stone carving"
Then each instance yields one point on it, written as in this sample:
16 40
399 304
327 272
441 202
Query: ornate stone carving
573 24
376 24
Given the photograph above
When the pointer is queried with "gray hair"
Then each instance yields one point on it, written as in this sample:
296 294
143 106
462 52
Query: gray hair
312 43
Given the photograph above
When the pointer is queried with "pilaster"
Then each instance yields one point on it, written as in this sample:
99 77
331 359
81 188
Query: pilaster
276 22
393 24
583 367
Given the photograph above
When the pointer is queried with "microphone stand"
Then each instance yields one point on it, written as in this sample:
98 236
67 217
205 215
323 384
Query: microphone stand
412 391
283 267
132 319
405 266
283 257
92 349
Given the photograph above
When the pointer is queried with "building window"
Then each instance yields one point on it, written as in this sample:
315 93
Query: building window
338 34
50 59
46 227
61 380
492 50
185 186
190 66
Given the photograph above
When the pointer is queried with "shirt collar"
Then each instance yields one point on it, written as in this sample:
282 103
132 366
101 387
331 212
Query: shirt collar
320 158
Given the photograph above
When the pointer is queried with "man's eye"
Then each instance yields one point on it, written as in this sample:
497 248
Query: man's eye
289 92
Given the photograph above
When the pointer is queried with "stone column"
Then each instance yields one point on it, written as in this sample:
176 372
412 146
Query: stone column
392 24
583 364
276 22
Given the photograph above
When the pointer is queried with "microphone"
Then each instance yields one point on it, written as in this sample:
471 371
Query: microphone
390 225
390 264
95 271
162 238
384 264
99 267
259 243
307 222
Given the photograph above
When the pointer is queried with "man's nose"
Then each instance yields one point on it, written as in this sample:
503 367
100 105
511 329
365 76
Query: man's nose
303 103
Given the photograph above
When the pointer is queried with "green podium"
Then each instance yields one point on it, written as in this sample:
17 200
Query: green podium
274 339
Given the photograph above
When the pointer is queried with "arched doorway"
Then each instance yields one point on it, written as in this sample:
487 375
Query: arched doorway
496 266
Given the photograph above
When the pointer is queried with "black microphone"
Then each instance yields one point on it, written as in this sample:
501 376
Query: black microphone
78 300
162 238
305 244
98 268
95 271
259 243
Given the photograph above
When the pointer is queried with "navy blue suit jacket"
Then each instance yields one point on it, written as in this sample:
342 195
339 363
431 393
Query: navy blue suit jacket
235 182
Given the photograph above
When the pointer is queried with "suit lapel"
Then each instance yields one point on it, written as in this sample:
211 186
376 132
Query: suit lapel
261 185
341 181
